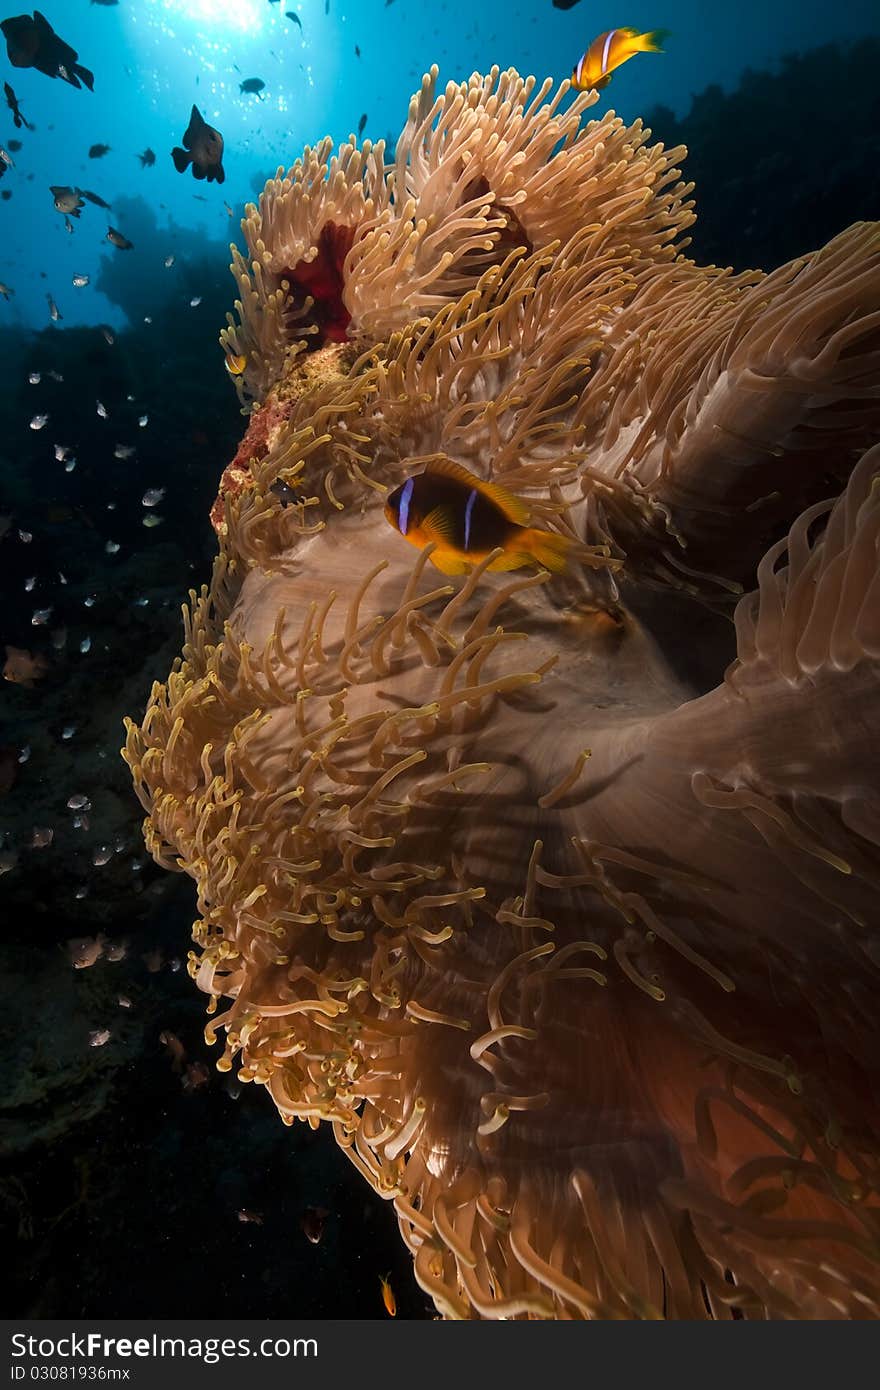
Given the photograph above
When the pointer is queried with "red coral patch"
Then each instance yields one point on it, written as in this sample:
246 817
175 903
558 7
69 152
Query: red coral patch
322 279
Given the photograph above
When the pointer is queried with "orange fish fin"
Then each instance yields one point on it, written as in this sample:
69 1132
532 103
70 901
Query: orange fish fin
652 42
513 507
439 525
447 563
547 548
512 560
448 468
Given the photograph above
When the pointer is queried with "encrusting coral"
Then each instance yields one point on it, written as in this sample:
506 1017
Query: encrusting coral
576 953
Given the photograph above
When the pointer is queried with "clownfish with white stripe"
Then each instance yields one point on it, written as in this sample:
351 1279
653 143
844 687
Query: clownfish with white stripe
467 518
609 51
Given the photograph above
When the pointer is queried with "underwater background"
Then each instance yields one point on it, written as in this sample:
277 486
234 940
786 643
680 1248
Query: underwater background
134 1179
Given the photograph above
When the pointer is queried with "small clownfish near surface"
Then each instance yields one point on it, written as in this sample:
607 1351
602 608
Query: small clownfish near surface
466 518
388 1299
609 51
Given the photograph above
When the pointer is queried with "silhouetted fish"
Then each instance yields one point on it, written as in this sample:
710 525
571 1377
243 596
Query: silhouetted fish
12 102
67 200
116 239
252 85
98 151
205 146
147 159
362 124
33 43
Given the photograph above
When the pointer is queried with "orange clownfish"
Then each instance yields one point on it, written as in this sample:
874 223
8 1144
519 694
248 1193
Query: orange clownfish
235 363
609 51
388 1298
467 518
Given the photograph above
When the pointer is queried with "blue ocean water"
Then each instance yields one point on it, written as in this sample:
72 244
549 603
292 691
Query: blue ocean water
105 1149
153 59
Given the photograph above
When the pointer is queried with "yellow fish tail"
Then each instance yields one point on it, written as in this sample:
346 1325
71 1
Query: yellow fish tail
546 548
652 41
448 563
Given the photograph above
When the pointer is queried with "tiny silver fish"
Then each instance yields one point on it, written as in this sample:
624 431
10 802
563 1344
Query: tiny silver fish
35 378
169 262
112 547
152 520
40 617
85 646
39 421
54 312
101 409
123 451
143 421
80 281
152 497
62 452
99 1036
195 301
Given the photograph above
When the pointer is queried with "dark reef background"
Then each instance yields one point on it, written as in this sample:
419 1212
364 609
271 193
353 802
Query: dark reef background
122 1180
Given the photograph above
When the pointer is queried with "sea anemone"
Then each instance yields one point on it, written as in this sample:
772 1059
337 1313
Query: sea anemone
555 896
